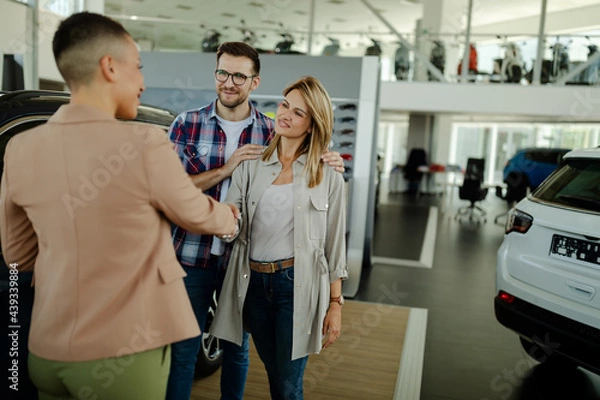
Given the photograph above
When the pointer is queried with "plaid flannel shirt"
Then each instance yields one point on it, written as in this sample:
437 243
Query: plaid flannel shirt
200 143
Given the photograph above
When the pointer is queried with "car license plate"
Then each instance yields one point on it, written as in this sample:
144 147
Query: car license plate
575 249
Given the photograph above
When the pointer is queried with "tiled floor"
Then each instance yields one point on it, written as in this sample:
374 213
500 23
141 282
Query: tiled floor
468 354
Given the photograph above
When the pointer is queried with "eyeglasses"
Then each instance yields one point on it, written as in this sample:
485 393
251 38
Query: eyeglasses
237 78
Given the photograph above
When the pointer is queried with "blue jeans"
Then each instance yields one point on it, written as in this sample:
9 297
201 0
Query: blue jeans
201 284
269 312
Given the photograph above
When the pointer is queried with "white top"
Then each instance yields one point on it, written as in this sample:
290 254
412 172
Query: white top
233 130
272 234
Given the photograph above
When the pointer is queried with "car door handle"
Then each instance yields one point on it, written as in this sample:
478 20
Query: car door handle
581 290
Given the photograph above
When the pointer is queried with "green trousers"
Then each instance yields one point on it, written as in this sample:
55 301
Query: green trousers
137 376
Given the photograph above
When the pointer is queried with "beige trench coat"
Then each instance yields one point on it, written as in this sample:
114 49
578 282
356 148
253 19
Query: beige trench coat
320 250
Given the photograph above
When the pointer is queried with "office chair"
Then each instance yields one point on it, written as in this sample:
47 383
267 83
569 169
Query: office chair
416 158
472 190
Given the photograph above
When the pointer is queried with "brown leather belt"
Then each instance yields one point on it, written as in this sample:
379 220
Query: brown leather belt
271 267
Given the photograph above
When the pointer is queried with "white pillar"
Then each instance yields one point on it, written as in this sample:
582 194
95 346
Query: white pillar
311 27
31 56
467 51
491 159
537 68
419 130
441 139
431 23
439 16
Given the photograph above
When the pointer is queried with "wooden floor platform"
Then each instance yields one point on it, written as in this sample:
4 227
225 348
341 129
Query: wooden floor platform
363 363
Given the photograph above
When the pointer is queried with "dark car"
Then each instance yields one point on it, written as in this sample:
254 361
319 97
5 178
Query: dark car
529 167
20 111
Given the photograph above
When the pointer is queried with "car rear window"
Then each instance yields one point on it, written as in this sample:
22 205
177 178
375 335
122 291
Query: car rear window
548 157
576 185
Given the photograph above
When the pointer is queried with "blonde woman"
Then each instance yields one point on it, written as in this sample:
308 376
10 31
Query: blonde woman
284 279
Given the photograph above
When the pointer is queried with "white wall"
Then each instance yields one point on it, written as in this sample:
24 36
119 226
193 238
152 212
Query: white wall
12 26
15 37
47 67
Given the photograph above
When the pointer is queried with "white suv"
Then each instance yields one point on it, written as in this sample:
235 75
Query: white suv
548 270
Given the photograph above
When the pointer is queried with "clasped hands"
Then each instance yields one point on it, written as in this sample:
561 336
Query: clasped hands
237 215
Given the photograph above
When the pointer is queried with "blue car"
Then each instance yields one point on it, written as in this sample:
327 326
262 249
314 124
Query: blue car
528 168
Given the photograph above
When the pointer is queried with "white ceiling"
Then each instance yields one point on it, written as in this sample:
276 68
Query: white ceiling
182 24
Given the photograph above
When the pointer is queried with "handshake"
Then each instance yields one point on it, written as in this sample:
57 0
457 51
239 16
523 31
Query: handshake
238 217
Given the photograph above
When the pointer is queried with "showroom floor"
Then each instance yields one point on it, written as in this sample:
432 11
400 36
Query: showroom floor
468 354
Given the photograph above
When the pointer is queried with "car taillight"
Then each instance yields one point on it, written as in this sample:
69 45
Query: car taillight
518 221
505 297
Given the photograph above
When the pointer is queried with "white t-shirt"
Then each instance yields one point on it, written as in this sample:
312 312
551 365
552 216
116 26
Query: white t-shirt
233 130
272 235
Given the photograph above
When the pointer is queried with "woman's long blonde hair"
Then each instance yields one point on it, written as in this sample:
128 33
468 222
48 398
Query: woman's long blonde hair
317 141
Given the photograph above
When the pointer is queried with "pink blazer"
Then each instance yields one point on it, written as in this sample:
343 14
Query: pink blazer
85 203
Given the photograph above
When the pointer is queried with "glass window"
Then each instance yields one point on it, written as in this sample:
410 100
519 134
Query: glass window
499 142
576 185
392 153
548 157
392 144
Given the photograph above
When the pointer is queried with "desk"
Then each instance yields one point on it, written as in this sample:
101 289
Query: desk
396 181
435 179
430 178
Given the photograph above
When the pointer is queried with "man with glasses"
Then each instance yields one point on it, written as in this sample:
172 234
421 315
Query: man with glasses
211 142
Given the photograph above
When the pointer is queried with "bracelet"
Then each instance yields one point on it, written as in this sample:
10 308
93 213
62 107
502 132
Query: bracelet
339 299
